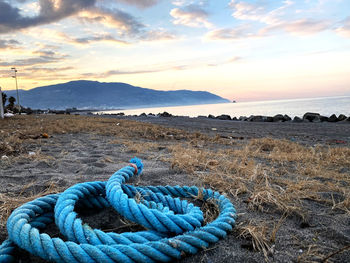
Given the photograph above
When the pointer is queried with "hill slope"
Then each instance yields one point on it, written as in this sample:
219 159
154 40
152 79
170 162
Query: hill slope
96 95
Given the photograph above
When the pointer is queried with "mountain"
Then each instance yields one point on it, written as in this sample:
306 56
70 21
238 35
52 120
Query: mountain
85 94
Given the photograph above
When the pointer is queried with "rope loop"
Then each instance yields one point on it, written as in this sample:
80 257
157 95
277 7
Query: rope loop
174 225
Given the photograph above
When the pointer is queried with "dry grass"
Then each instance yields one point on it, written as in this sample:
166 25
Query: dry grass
14 132
19 129
209 207
9 202
268 171
257 233
271 176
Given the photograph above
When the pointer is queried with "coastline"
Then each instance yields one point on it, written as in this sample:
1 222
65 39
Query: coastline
295 107
310 133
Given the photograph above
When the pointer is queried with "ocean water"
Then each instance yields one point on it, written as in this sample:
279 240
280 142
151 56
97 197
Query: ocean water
293 107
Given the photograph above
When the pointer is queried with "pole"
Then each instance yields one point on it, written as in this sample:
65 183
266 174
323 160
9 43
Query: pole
18 104
1 106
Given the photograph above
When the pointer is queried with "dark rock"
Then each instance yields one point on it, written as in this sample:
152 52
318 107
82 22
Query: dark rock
313 117
234 119
151 115
278 118
348 119
201 117
333 118
257 118
304 224
224 117
341 117
317 120
143 115
243 118
297 119
211 116
269 119
287 118
323 118
165 114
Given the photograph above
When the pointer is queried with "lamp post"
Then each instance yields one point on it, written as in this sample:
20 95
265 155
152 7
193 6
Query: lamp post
1 106
15 76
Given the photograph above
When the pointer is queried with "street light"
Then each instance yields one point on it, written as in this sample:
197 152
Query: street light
15 76
1 106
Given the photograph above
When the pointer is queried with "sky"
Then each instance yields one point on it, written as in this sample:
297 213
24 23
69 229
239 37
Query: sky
243 50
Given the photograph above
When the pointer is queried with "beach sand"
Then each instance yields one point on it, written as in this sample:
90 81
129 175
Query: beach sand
291 190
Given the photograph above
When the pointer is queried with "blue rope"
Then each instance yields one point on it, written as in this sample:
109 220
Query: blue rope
175 226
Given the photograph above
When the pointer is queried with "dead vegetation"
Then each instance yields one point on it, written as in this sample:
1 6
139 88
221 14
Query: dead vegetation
17 130
274 173
272 176
10 202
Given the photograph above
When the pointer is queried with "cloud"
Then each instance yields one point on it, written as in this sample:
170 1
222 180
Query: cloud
40 73
227 61
189 2
247 11
128 27
141 3
191 16
259 12
271 21
45 57
93 38
179 2
48 70
236 33
124 22
299 27
344 29
122 72
11 18
44 53
157 35
8 44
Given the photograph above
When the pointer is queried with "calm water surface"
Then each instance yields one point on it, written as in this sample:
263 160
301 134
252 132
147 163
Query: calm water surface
293 107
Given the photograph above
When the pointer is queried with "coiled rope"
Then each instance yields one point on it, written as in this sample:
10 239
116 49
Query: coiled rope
175 225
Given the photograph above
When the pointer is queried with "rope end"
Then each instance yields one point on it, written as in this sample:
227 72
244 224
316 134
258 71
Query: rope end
138 163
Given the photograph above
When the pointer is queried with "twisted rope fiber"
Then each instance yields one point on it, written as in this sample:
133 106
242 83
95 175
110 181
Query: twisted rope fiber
174 225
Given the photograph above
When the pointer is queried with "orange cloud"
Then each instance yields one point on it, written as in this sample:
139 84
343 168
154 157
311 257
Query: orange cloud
191 16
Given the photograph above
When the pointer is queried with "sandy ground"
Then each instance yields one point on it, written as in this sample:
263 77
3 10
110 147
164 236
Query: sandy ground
306 133
67 159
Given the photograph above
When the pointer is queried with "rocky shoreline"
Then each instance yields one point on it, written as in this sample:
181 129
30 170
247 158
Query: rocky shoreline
307 117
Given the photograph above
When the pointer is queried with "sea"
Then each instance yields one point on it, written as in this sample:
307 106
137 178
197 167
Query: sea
326 106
